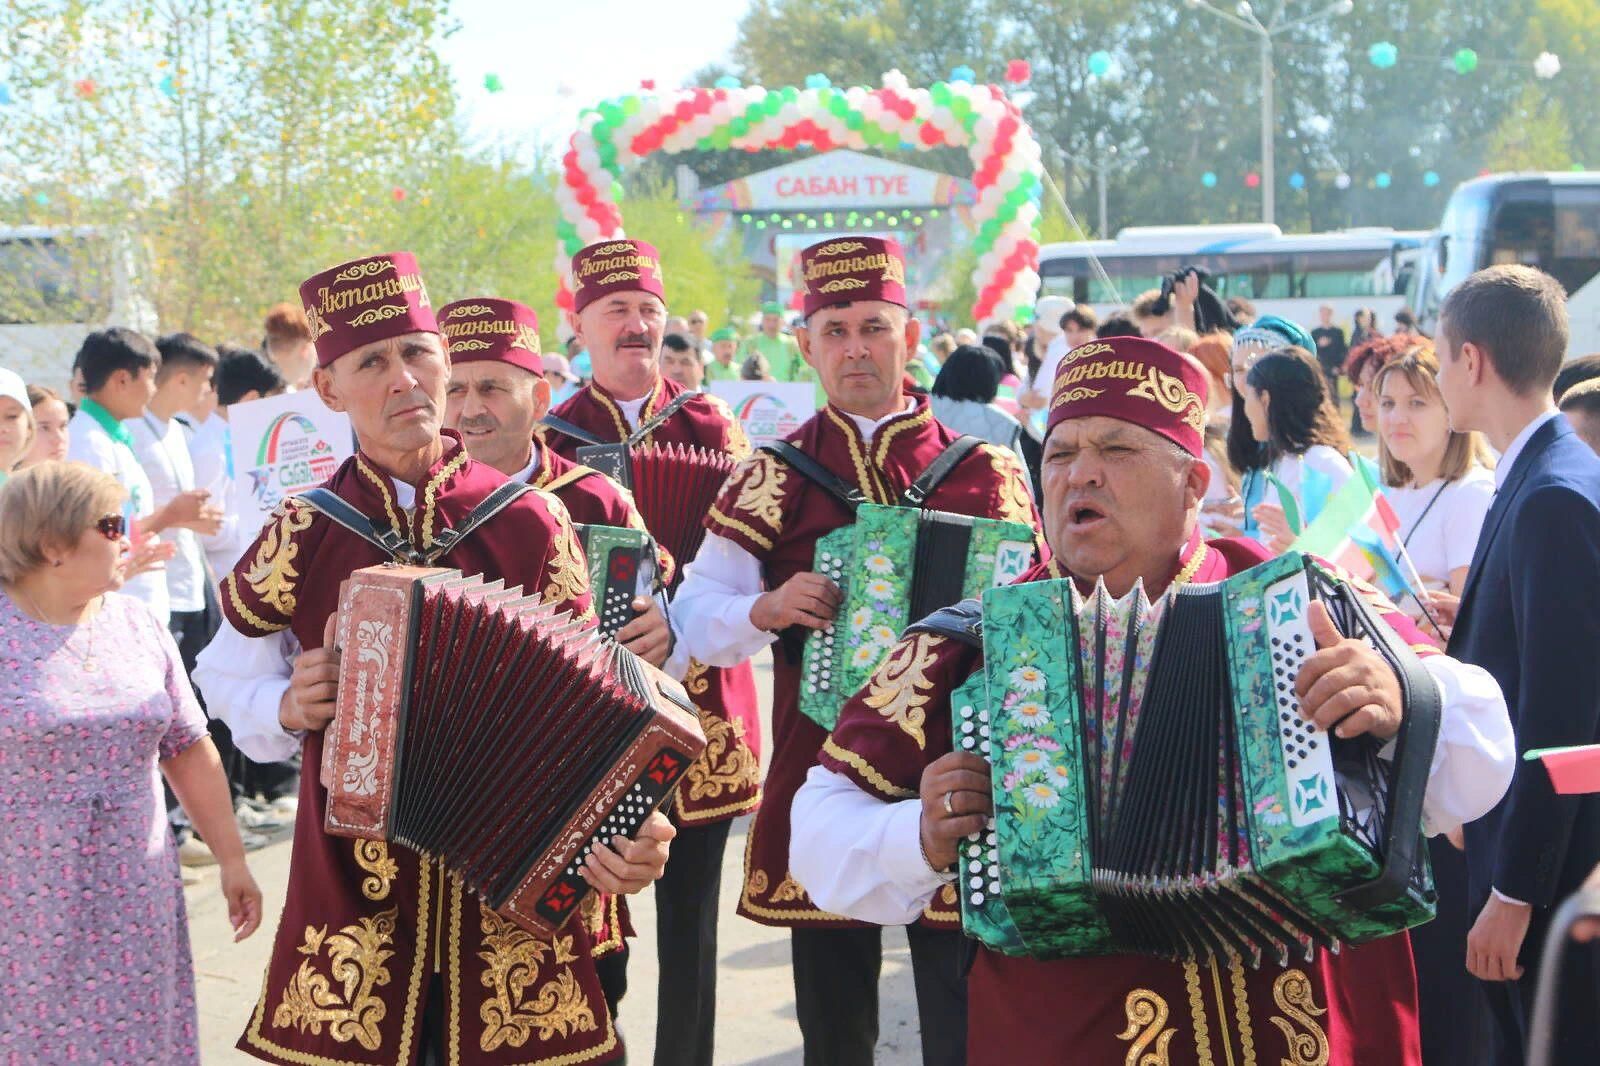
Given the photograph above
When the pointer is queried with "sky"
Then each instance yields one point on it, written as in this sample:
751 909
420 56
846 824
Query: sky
554 57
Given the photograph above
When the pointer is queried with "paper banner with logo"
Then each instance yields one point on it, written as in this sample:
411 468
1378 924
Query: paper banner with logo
770 410
283 445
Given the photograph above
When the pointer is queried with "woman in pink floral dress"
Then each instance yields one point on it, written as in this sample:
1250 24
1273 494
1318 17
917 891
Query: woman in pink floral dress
94 946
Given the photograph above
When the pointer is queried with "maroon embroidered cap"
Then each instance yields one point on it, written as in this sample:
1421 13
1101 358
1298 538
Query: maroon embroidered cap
622 265
1137 380
365 300
846 269
483 328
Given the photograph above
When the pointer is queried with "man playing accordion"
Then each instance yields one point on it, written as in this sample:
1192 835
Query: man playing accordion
381 956
754 579
877 825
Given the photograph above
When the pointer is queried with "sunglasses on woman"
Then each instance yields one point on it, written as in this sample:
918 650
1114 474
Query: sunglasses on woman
112 526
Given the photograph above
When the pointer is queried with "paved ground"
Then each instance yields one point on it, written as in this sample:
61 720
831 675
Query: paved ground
755 999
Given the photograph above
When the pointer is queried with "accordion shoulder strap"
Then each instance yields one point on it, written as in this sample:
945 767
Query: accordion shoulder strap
816 473
340 511
1413 758
939 469
650 424
962 621
502 497
561 425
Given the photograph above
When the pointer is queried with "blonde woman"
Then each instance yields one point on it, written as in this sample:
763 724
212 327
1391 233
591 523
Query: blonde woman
50 418
93 702
16 422
1438 480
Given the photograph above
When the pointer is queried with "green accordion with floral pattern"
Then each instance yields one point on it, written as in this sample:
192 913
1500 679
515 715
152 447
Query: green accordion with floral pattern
894 565
1156 789
622 564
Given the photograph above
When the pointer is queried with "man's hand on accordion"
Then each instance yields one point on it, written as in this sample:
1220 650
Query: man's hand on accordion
1347 688
806 599
648 636
627 866
956 803
307 704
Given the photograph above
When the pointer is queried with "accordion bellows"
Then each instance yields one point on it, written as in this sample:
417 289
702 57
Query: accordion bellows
485 728
894 565
1157 791
674 486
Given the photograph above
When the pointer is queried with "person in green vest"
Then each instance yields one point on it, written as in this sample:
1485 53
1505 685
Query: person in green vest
779 349
722 366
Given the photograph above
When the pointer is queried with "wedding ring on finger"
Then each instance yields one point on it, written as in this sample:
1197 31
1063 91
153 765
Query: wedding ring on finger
948 809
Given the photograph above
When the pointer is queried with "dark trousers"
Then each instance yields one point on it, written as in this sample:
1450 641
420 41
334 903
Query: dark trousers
192 631
686 945
1451 1010
1577 1029
836 993
612 970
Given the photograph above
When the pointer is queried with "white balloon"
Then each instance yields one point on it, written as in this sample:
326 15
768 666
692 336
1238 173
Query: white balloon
1547 66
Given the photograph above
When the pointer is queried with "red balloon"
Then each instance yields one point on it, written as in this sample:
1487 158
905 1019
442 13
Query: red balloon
586 195
930 134
684 111
398 193
1252 180
1018 71
564 299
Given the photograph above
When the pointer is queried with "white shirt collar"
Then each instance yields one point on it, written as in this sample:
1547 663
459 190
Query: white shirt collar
631 408
869 428
1502 469
525 475
405 494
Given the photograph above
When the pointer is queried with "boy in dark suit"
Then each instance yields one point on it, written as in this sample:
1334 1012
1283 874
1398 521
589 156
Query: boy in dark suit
1530 615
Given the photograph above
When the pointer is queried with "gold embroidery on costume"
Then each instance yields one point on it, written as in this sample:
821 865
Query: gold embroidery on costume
736 443
1197 1013
373 857
901 425
272 575
756 883
430 495
1147 1025
900 690
569 574
1241 1010
727 764
1169 391
357 954
381 485
1014 504
865 479
231 586
788 891
868 772
513 957
1292 993
761 495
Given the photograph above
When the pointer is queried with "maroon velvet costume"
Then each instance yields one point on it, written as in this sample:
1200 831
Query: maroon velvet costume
777 516
367 926
726 781
1356 1008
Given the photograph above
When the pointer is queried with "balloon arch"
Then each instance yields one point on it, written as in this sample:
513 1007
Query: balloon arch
980 118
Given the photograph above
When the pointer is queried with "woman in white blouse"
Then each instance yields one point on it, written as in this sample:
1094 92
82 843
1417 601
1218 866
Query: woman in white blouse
1297 427
1437 480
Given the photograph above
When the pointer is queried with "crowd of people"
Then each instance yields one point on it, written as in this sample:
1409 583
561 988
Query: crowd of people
170 670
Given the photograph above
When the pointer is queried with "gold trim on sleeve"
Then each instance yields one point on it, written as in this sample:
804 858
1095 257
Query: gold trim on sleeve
861 766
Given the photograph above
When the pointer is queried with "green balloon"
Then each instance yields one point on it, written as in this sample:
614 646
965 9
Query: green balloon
982 244
704 144
753 112
738 127
721 138
789 94
839 106
961 106
617 191
940 93
1022 315
611 113
855 120
773 103
630 105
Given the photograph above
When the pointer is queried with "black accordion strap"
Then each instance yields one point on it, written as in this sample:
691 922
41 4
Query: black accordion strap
816 473
656 419
938 470
1413 758
963 622
339 511
502 497
561 425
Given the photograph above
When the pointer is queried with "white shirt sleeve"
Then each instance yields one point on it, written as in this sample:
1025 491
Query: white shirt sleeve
1328 462
91 446
243 679
1476 753
711 611
1469 502
857 855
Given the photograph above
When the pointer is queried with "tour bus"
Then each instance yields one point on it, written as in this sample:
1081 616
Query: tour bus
1291 276
57 285
1551 221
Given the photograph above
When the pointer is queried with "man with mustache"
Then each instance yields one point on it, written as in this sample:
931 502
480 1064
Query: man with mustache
878 822
753 581
619 315
381 955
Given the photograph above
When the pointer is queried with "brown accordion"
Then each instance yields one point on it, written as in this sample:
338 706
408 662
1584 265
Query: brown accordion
498 734
674 486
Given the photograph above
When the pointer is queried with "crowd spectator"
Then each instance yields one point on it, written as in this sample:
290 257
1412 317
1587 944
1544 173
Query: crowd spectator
1574 372
1405 326
1581 405
50 417
1362 367
119 378
242 375
93 704
1297 428
1118 325
680 361
963 398
1363 327
559 373
699 324
287 342
724 347
1151 313
1241 309
778 349
1222 499
755 368
1332 348
16 422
